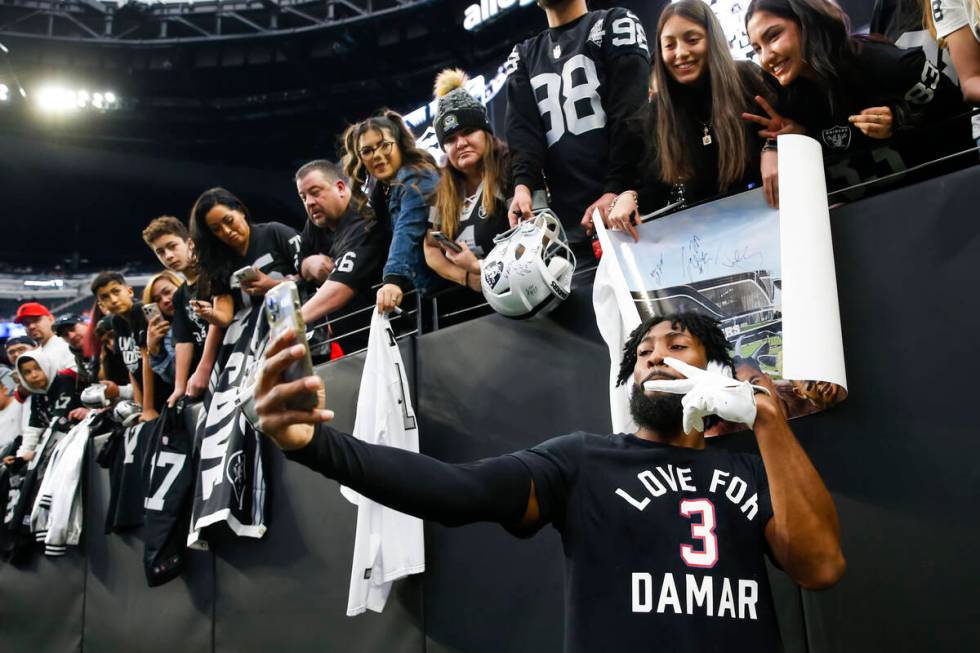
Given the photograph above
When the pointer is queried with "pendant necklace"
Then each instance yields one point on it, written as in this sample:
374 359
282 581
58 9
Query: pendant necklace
706 139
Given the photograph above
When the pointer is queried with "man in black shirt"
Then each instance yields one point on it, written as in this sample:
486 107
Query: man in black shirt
570 90
664 539
340 252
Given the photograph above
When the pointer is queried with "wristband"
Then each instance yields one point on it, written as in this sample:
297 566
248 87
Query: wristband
770 144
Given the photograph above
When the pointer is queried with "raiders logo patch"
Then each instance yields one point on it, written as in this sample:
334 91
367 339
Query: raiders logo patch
450 122
556 51
837 138
235 473
492 272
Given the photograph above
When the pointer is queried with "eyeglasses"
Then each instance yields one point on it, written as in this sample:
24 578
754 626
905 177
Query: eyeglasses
384 147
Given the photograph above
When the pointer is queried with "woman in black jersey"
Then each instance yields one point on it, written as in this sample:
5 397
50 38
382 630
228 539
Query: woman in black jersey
850 92
474 186
226 241
700 146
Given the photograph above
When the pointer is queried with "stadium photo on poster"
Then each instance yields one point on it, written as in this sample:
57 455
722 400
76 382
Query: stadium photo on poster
728 259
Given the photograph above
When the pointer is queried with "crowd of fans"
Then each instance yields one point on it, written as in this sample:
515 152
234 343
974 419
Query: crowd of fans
616 128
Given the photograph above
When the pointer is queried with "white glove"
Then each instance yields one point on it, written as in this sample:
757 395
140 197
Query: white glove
708 392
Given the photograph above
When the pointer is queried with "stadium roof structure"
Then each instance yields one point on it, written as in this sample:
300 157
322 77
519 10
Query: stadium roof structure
142 23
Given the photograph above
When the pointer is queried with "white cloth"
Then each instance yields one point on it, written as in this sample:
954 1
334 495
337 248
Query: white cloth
56 517
59 352
389 544
951 15
10 422
614 331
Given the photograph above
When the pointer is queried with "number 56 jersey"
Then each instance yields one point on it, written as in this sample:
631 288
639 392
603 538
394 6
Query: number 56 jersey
570 91
664 546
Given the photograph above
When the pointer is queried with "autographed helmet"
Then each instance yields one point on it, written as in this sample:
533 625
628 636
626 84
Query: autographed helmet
530 268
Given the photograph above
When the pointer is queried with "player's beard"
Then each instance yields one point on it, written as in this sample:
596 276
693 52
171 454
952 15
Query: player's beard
662 413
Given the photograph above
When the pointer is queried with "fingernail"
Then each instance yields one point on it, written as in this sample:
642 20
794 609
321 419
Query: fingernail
325 414
312 382
296 350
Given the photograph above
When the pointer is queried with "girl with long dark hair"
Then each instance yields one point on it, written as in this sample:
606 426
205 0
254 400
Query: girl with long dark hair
849 91
698 143
227 240
381 153
471 197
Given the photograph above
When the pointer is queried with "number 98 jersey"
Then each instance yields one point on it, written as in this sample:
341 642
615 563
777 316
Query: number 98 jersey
569 92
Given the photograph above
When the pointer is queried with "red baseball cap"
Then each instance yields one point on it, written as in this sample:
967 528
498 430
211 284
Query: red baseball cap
31 309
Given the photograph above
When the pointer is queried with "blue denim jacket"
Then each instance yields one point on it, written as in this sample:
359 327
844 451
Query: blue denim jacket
408 218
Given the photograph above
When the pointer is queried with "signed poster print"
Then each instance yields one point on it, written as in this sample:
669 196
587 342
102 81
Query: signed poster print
756 270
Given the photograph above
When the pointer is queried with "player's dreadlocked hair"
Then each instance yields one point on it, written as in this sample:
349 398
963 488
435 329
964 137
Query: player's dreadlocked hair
702 327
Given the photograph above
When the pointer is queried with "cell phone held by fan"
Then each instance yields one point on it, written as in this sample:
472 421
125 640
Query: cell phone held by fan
282 310
151 312
444 241
245 274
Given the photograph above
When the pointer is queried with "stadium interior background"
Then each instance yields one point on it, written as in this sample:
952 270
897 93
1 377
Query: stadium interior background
241 106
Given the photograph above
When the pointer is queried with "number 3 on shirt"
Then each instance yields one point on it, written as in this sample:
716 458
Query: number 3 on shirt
562 116
706 554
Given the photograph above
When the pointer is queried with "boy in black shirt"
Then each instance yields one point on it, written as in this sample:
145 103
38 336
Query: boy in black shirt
570 91
195 345
115 298
339 251
665 540
53 396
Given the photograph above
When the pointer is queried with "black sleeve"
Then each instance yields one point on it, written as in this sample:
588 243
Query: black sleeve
493 489
628 71
358 262
307 241
288 243
179 328
525 132
553 465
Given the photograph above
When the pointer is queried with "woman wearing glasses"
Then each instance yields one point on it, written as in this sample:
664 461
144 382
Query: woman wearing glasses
381 154
700 147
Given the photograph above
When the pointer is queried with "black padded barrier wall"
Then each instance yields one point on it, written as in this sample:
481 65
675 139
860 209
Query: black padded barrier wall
899 456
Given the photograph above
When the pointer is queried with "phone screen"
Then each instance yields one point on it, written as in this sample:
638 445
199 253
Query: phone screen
282 310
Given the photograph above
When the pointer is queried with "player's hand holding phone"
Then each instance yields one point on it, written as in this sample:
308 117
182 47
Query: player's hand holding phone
288 427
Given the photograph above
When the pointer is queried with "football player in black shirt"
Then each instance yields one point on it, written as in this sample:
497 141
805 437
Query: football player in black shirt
227 240
665 539
339 251
570 90
196 346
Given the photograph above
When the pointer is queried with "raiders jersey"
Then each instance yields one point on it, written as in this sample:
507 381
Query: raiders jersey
52 408
475 227
125 454
358 250
570 90
273 248
169 492
186 325
930 119
665 546
130 336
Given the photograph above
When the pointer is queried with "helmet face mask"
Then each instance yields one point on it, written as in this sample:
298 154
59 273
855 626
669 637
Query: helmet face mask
530 268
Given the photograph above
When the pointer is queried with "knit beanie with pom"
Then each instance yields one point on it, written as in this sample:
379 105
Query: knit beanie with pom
456 109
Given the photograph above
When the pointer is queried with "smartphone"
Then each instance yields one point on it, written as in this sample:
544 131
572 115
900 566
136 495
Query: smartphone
151 311
441 238
8 379
247 273
282 310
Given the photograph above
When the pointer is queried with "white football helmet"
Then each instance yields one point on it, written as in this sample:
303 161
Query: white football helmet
530 268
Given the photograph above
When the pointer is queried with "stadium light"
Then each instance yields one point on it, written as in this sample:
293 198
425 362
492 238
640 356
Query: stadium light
58 99
4 93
